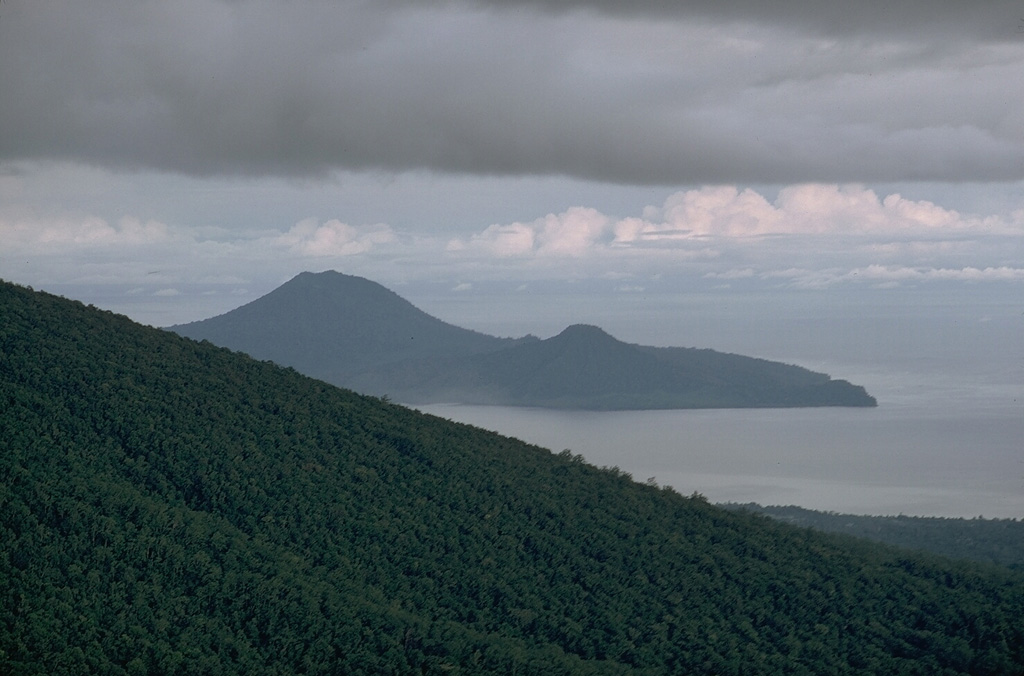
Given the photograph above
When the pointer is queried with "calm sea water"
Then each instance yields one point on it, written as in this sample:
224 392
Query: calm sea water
946 365
945 361
935 446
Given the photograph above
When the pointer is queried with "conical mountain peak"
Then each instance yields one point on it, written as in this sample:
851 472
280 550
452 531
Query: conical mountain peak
584 330
584 334
333 325
356 333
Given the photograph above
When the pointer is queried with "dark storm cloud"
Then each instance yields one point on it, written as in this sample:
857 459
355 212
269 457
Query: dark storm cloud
656 94
997 20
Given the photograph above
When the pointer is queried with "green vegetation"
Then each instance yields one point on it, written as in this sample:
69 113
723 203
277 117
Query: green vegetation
354 333
990 540
169 507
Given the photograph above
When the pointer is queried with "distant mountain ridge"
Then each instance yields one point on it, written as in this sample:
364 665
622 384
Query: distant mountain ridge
355 333
332 326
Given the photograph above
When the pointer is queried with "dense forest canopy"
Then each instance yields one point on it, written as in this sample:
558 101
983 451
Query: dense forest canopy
990 540
171 507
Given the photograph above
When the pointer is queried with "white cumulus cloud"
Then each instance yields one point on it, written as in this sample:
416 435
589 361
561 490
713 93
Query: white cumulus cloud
808 236
333 238
728 213
806 209
86 232
572 233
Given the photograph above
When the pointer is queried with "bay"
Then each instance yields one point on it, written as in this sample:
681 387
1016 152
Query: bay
935 446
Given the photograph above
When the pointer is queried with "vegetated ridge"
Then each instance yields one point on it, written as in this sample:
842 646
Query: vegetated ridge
170 507
354 333
990 540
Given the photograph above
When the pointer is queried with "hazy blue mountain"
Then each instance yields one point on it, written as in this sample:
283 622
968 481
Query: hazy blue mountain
355 333
171 507
585 368
331 326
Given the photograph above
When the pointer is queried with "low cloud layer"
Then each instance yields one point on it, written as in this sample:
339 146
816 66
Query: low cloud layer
816 214
909 17
629 93
333 239
808 236
199 152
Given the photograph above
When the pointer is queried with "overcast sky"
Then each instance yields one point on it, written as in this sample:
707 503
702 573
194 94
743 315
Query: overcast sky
172 160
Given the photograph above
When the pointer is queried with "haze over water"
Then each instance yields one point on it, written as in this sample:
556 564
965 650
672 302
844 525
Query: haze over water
947 438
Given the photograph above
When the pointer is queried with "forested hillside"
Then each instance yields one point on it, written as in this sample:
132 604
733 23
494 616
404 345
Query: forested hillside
989 540
169 507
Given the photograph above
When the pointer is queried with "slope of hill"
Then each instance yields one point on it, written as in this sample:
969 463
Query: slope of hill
990 540
171 507
355 333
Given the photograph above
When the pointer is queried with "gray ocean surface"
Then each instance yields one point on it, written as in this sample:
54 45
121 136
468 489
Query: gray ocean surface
947 438
939 444
945 361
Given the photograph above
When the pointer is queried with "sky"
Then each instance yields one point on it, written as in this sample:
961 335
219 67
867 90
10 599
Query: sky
713 173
